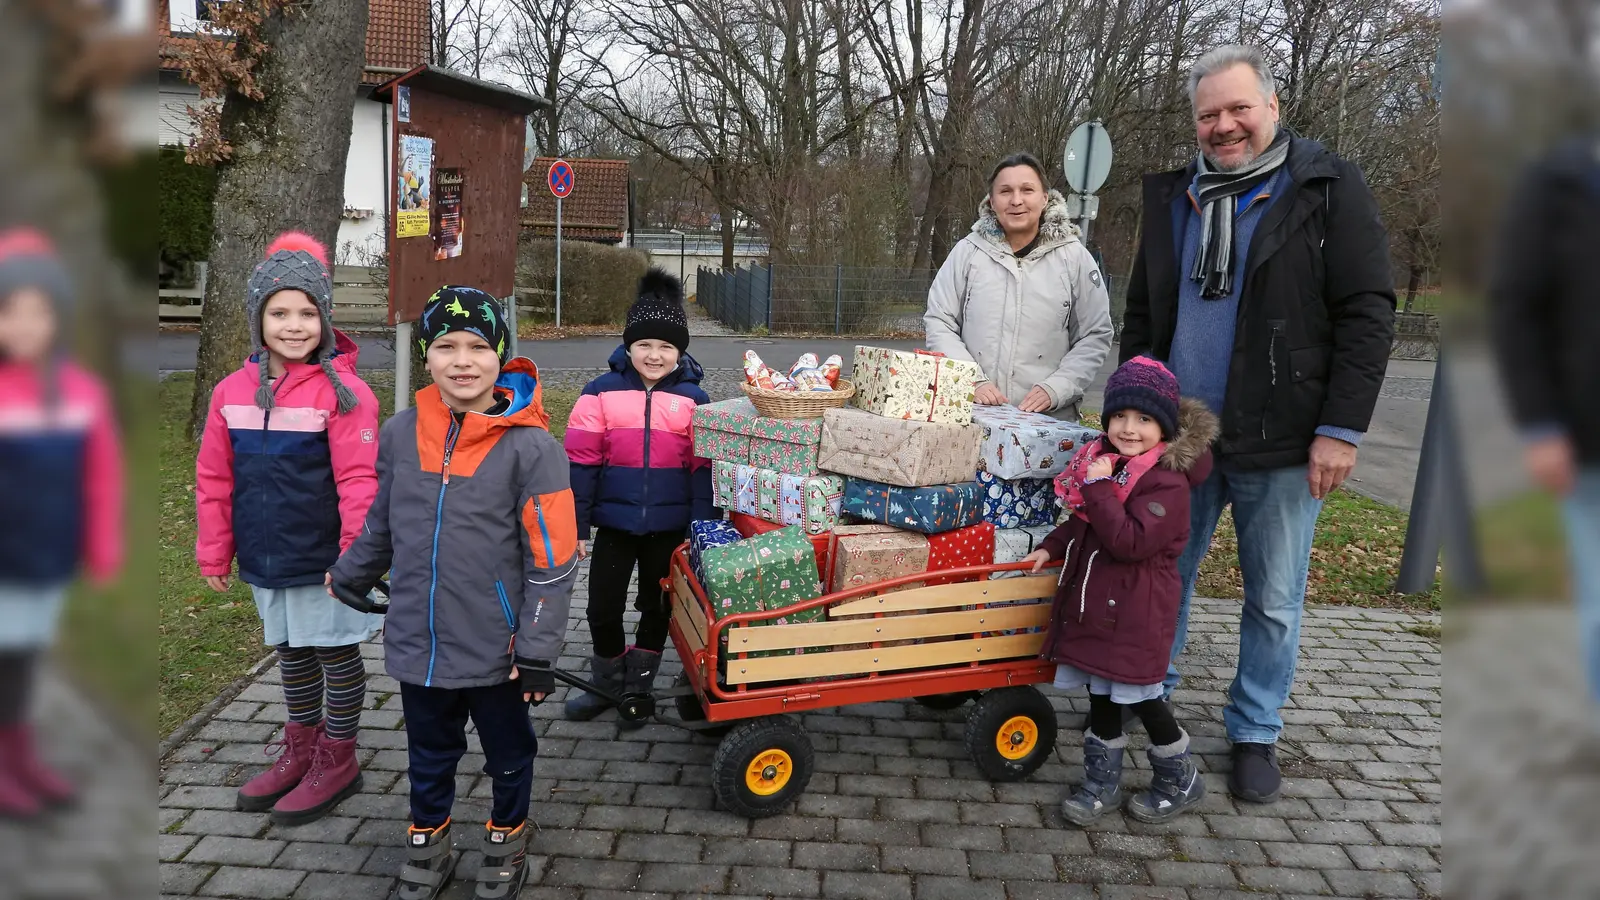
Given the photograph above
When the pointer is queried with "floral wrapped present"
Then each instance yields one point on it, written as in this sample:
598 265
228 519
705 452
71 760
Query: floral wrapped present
750 526
705 534
869 554
766 572
1019 444
971 546
901 384
1012 544
930 510
1019 503
732 431
903 452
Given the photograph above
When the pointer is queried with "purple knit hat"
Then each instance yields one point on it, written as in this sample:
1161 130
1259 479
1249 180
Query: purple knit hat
1146 385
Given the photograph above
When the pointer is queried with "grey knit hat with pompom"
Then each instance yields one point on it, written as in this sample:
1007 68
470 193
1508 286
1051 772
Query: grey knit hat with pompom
295 261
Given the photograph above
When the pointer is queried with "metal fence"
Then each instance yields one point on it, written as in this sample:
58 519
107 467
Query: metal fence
740 298
1416 336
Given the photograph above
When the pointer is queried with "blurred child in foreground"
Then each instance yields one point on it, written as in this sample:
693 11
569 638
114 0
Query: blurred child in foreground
60 497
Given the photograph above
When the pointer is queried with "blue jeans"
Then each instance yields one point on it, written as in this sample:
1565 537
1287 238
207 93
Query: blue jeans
1582 513
1275 517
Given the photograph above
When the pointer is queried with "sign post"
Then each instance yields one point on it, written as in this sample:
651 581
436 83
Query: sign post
560 180
1087 162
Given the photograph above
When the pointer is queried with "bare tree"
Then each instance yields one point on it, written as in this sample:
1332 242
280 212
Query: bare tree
464 34
555 47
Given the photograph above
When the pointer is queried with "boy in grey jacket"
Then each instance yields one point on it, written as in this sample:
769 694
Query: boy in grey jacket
475 515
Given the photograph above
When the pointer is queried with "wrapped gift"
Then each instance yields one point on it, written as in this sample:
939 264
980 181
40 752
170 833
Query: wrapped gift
766 572
736 488
750 526
930 510
971 546
1019 503
868 554
732 431
704 534
903 452
1012 544
1019 444
808 501
903 384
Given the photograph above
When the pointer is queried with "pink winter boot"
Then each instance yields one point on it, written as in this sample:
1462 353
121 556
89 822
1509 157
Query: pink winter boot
297 745
334 775
19 754
17 801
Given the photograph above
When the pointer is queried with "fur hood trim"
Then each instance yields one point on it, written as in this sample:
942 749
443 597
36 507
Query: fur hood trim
1054 225
1197 430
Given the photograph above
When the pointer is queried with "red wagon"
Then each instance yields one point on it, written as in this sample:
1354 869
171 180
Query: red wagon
941 645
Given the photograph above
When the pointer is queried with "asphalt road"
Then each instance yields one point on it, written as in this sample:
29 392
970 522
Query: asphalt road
1385 470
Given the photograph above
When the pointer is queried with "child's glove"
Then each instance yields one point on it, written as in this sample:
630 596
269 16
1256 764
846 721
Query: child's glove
535 675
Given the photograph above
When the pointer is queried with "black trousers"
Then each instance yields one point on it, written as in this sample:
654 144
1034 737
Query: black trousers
611 565
436 737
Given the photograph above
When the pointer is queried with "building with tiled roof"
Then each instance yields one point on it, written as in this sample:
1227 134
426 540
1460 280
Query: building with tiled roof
398 39
596 210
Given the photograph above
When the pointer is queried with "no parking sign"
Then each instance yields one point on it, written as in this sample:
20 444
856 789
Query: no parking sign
561 181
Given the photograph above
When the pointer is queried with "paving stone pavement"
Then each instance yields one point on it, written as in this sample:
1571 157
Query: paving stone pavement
101 848
895 811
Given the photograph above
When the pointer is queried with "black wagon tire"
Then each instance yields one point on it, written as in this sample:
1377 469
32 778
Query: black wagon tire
762 766
946 701
1011 732
690 710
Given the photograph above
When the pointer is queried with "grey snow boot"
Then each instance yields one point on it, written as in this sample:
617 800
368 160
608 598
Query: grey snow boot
640 676
581 706
1175 784
1102 776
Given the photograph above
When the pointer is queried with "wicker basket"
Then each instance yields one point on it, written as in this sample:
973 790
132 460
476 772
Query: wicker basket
798 404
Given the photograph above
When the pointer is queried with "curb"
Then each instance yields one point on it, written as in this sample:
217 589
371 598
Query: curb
208 712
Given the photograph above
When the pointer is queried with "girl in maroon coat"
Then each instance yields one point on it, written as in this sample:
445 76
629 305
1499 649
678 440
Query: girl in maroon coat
1116 609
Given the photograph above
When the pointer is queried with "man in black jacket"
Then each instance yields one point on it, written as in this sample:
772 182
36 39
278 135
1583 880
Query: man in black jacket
1545 300
1263 281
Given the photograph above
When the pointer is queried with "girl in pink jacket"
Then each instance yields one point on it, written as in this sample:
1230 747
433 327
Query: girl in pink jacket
285 474
60 498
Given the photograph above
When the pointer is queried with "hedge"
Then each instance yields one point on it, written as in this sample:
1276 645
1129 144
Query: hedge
187 194
598 281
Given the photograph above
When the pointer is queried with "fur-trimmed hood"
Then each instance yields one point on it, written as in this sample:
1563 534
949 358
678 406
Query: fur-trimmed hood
1190 451
1055 227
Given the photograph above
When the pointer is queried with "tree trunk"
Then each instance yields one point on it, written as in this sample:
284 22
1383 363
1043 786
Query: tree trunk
287 169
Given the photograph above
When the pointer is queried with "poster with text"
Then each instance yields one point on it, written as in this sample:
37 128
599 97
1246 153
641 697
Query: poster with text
447 233
411 217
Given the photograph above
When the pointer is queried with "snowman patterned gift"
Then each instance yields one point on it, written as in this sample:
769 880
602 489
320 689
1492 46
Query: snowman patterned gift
1018 503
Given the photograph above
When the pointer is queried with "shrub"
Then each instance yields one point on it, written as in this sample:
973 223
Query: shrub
187 194
598 281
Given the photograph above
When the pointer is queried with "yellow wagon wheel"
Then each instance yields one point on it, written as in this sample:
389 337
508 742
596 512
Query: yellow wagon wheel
769 772
761 766
1017 737
1011 732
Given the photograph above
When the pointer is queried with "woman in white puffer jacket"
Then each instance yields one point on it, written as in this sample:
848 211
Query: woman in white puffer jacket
1021 297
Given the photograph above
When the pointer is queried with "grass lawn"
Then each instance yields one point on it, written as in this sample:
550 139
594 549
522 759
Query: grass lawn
1355 556
1523 547
205 639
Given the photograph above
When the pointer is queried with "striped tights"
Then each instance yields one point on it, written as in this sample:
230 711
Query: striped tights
310 673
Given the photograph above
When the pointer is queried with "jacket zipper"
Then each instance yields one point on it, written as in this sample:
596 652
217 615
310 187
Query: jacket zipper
438 523
266 421
644 507
1272 364
1083 593
505 605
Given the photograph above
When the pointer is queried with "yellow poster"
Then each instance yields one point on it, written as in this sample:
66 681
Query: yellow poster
415 182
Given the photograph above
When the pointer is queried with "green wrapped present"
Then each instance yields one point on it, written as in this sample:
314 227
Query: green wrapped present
732 431
764 573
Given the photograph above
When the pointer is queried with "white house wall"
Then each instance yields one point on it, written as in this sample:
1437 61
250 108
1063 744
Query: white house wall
361 227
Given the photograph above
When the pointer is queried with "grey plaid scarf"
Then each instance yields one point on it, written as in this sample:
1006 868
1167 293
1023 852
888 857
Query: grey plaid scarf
1217 194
